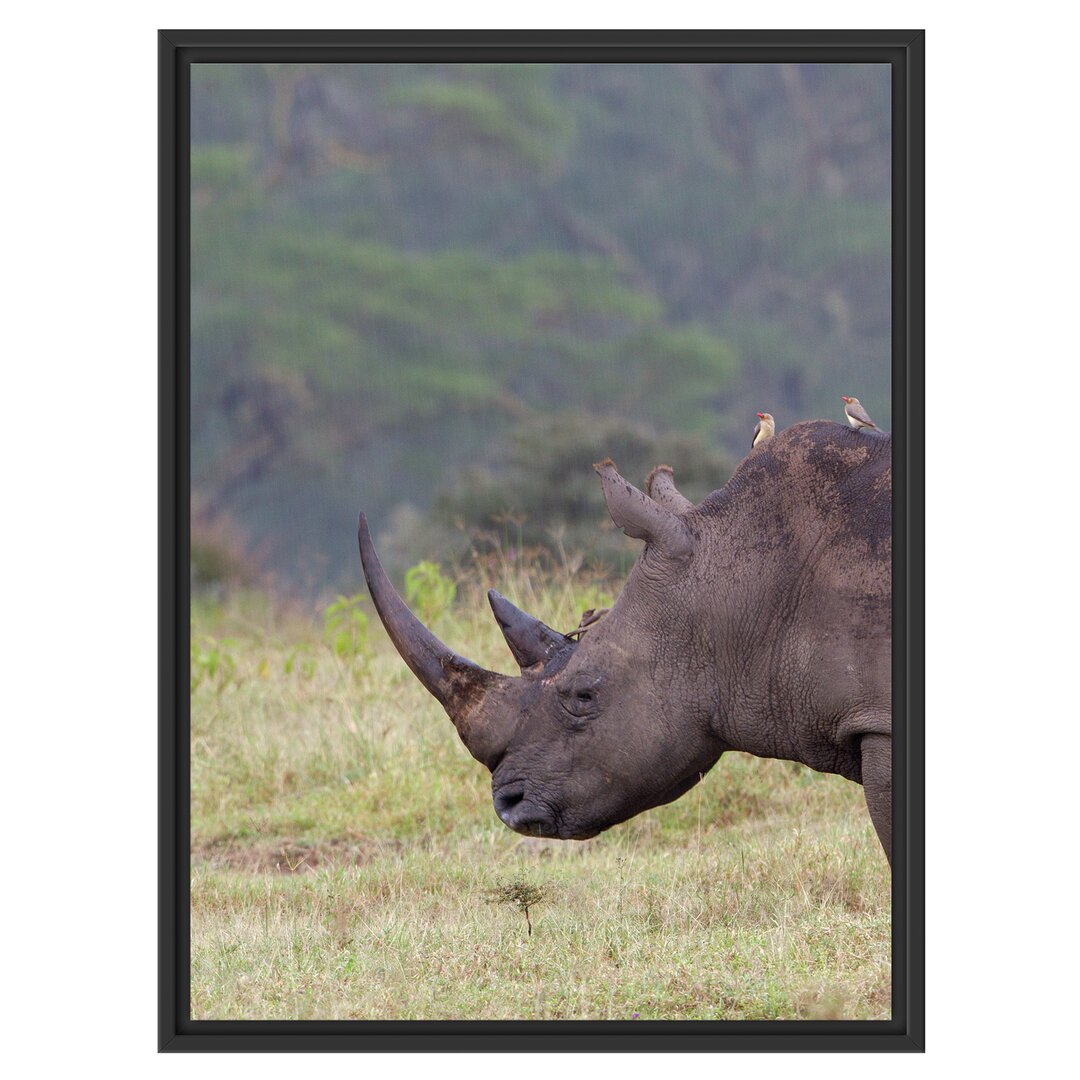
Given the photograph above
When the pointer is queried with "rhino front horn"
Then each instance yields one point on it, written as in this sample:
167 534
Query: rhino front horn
531 641
641 517
459 685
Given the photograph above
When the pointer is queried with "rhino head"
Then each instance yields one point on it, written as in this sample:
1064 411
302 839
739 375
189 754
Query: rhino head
594 731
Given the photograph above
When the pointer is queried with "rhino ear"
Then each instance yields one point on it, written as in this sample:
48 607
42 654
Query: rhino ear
660 487
642 518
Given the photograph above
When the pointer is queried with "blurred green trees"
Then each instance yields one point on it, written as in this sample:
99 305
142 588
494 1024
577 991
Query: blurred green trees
439 292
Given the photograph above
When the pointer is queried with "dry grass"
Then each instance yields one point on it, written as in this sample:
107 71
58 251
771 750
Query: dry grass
344 845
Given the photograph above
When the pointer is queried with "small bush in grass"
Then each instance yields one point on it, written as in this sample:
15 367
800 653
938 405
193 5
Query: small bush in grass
520 894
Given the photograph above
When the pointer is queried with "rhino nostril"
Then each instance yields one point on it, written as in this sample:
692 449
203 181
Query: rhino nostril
508 797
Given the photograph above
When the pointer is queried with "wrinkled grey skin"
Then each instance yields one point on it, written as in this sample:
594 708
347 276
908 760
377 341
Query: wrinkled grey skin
758 620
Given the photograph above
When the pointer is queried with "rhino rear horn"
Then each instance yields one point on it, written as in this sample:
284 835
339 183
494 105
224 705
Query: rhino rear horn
660 487
642 518
530 640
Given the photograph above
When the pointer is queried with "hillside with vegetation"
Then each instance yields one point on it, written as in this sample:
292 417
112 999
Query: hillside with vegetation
439 292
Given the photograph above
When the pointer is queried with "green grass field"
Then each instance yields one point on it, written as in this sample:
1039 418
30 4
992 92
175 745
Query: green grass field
344 852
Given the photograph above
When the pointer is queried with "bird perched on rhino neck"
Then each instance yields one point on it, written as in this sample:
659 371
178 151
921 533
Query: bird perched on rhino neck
589 619
856 415
766 428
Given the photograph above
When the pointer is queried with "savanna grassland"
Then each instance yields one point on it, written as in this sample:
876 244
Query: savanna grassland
347 863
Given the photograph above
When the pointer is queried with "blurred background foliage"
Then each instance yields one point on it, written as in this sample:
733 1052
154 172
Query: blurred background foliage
440 292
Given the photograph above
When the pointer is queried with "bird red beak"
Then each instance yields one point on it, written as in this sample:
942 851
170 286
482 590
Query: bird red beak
761 416
845 400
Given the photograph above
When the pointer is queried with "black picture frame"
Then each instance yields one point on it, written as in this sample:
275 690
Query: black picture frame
904 51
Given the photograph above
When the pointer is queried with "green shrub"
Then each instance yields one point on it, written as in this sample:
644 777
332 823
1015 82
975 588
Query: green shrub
428 591
345 627
213 662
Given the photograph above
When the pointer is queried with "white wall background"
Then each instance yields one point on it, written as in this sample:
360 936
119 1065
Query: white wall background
77 435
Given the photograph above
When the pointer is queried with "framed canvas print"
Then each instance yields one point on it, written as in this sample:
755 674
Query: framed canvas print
541 540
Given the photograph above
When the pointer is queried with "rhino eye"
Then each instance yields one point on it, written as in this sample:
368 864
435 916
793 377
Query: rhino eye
579 699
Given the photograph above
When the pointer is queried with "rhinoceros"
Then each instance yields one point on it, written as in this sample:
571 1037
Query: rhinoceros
758 620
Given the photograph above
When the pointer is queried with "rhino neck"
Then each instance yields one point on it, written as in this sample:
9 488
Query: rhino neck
671 639
742 639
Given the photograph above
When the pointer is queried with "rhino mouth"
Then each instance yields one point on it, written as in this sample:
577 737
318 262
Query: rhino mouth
527 814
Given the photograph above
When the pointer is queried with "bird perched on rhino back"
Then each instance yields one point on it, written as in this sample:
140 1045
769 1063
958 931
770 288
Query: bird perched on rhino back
856 415
766 429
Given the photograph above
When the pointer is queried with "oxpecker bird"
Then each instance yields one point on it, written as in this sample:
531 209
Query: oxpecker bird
856 415
766 428
589 619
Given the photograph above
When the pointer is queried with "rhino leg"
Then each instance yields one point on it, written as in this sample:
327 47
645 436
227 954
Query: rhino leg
877 784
